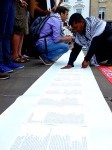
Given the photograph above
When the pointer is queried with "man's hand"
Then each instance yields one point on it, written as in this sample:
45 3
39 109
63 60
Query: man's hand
47 12
67 67
85 64
24 3
68 38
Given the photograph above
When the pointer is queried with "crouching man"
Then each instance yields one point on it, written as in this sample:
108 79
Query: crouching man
93 33
56 43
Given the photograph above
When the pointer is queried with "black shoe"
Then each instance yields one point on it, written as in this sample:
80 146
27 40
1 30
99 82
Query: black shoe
4 76
45 61
109 63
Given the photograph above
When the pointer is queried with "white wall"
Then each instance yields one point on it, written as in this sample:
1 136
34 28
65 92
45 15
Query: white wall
74 4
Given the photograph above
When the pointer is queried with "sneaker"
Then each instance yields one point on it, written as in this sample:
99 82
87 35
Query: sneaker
109 63
93 61
4 69
45 61
25 56
4 76
13 65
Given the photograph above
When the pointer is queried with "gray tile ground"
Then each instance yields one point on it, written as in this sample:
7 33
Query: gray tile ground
105 86
20 80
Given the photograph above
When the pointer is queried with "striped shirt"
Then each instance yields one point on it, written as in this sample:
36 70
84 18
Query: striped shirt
94 27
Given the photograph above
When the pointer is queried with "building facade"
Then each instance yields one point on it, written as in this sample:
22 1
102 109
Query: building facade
79 6
101 9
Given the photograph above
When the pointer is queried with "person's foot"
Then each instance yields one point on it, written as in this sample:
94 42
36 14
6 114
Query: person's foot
45 61
93 62
4 76
13 65
109 63
4 68
19 60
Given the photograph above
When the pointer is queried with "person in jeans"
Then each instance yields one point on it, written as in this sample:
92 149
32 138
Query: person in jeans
93 33
55 44
6 29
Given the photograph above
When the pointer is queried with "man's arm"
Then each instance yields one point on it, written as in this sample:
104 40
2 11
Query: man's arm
67 38
54 3
60 2
73 55
38 9
55 6
90 52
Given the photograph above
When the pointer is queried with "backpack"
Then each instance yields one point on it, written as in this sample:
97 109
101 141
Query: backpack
37 25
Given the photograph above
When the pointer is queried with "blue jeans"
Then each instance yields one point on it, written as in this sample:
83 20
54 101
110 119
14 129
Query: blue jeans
54 50
6 29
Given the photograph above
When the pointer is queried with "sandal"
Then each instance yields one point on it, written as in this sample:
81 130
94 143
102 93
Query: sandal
19 60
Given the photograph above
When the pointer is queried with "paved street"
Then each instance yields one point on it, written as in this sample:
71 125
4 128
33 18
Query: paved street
20 80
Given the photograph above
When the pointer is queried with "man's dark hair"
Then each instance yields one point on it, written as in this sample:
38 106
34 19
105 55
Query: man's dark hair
76 17
61 9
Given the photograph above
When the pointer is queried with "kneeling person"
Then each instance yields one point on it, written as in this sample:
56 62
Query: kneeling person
93 33
55 44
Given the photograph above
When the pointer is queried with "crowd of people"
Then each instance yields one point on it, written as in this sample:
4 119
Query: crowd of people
15 21
14 25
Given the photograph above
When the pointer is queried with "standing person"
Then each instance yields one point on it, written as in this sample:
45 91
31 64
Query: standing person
56 44
93 33
6 29
40 8
37 8
20 29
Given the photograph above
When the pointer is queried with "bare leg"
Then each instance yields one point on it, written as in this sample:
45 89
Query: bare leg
15 45
20 44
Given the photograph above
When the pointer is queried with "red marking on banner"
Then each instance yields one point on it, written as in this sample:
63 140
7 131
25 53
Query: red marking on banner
107 72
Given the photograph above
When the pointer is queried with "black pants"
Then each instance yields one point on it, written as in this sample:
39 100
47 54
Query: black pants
101 46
